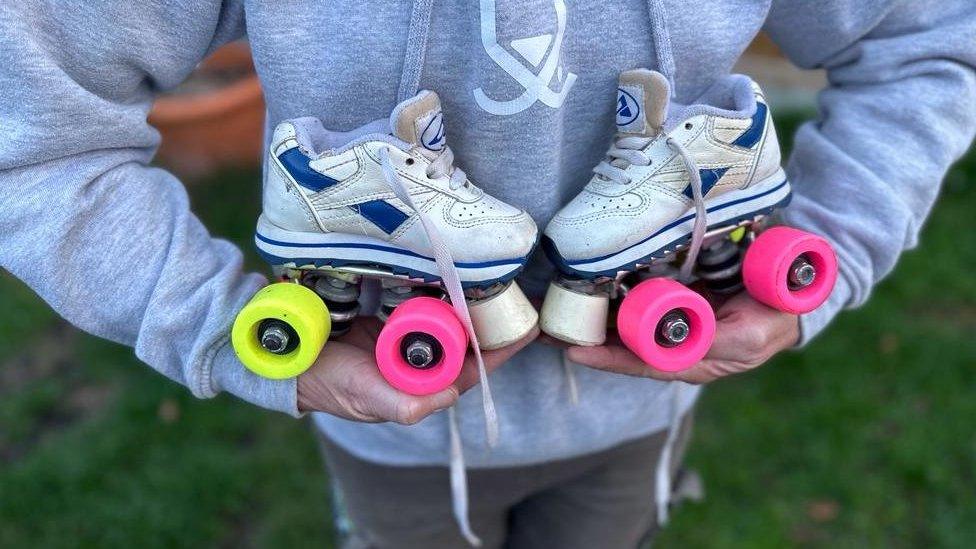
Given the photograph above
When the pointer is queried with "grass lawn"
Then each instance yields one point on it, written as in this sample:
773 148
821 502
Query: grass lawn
866 438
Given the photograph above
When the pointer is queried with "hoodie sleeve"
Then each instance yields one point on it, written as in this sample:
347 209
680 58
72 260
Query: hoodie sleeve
899 109
108 241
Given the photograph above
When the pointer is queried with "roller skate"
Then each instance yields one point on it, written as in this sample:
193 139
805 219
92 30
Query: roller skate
383 202
681 199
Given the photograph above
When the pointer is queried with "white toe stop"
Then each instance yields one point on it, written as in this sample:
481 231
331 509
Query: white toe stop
503 318
580 319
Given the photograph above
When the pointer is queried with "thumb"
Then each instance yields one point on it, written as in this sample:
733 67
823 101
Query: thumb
748 331
407 409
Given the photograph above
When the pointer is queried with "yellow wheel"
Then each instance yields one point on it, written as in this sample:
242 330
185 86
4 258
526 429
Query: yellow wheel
281 331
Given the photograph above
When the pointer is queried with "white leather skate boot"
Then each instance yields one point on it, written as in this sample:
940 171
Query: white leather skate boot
640 201
674 173
384 201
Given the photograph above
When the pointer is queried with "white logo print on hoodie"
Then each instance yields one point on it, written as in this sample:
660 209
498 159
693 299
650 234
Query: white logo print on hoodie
534 50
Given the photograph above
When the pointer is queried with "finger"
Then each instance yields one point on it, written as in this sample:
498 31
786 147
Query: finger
493 360
412 409
618 359
388 404
497 357
749 332
707 371
363 333
409 409
547 339
346 382
611 358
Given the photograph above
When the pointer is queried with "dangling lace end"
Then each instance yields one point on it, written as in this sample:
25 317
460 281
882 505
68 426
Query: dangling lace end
491 416
487 400
701 222
452 285
459 481
662 484
570 374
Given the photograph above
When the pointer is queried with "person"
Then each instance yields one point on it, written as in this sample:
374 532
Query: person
527 88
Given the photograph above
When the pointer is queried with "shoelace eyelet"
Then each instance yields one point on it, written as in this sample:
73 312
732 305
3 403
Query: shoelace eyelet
409 161
689 125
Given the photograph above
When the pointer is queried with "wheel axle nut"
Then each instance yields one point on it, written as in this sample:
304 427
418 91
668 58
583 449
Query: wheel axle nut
275 339
674 329
802 273
420 354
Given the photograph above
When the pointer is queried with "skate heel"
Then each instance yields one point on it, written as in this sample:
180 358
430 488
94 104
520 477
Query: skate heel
502 318
575 317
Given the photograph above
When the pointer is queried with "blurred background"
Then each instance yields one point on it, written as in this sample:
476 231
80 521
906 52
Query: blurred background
866 438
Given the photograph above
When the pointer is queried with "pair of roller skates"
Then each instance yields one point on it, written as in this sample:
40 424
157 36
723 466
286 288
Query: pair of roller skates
379 202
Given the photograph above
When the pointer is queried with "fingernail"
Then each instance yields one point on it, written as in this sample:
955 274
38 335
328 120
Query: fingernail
446 398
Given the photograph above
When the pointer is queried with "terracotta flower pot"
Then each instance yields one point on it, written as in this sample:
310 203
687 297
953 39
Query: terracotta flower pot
215 119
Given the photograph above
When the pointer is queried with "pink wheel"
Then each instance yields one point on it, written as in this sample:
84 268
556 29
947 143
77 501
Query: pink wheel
790 270
667 325
421 349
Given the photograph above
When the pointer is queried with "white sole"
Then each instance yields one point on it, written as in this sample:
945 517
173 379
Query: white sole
729 207
301 249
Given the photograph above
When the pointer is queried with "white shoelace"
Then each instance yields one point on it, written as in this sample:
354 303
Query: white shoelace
701 223
624 152
629 150
442 165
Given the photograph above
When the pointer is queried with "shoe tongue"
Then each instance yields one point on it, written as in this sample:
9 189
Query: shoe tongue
419 121
642 102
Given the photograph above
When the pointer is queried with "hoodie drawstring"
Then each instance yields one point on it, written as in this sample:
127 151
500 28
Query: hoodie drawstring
416 52
662 41
666 66
413 65
662 482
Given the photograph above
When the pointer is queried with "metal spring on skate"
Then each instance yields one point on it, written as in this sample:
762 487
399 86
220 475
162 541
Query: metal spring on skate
397 294
481 294
720 266
341 297
587 287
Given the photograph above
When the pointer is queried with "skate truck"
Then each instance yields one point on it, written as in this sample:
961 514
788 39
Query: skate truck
682 198
383 202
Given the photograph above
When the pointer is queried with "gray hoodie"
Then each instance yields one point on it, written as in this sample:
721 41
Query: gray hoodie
528 88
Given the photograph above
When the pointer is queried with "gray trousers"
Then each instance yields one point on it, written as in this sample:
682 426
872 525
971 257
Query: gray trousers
603 500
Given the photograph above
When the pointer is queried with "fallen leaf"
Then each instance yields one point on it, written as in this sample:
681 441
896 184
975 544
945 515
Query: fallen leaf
822 510
169 411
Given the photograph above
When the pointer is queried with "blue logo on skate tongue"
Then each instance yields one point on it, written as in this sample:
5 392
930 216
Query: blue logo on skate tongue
433 138
628 108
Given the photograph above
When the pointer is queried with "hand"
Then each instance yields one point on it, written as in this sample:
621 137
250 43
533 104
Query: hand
345 381
747 334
